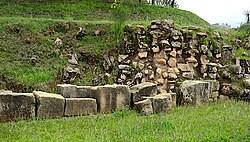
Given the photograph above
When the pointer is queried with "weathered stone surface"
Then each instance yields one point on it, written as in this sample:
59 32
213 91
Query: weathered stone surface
172 62
172 75
161 61
16 106
226 89
145 89
194 92
121 58
144 107
173 53
184 67
176 44
204 59
123 67
67 90
121 98
112 97
80 106
188 75
142 55
49 105
161 102
214 84
85 92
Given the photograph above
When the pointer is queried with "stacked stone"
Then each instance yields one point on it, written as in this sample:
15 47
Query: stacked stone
145 99
83 100
161 53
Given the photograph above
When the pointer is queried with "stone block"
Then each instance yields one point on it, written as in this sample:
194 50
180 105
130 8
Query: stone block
49 105
16 106
80 106
144 107
161 103
194 92
145 89
85 92
112 97
67 90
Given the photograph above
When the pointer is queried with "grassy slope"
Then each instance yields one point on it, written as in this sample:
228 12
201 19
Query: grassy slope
34 19
216 122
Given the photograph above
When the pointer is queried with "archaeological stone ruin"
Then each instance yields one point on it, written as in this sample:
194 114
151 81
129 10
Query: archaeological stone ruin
158 67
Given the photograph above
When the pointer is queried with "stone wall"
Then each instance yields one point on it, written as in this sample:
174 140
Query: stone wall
167 56
162 54
73 100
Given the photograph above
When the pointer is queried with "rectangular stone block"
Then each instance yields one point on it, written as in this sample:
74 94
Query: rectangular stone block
161 103
144 107
194 92
49 105
80 106
104 98
67 90
16 106
112 97
121 98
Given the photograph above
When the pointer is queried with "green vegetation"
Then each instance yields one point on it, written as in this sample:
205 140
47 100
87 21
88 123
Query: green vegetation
29 29
94 10
224 121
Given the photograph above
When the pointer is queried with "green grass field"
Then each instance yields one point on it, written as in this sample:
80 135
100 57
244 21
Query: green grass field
216 122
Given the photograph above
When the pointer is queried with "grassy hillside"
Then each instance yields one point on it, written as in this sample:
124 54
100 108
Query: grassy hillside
228 122
93 10
25 34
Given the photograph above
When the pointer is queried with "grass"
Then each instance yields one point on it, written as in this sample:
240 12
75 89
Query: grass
94 10
223 121
35 18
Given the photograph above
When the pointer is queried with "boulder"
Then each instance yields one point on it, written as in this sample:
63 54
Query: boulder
67 90
144 107
80 106
194 92
49 105
16 106
145 89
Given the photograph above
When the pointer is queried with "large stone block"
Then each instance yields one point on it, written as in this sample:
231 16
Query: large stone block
67 90
85 92
16 106
194 92
161 103
112 97
80 106
144 107
145 89
49 105
121 98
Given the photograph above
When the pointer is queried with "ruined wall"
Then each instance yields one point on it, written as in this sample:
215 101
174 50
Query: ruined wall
163 54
